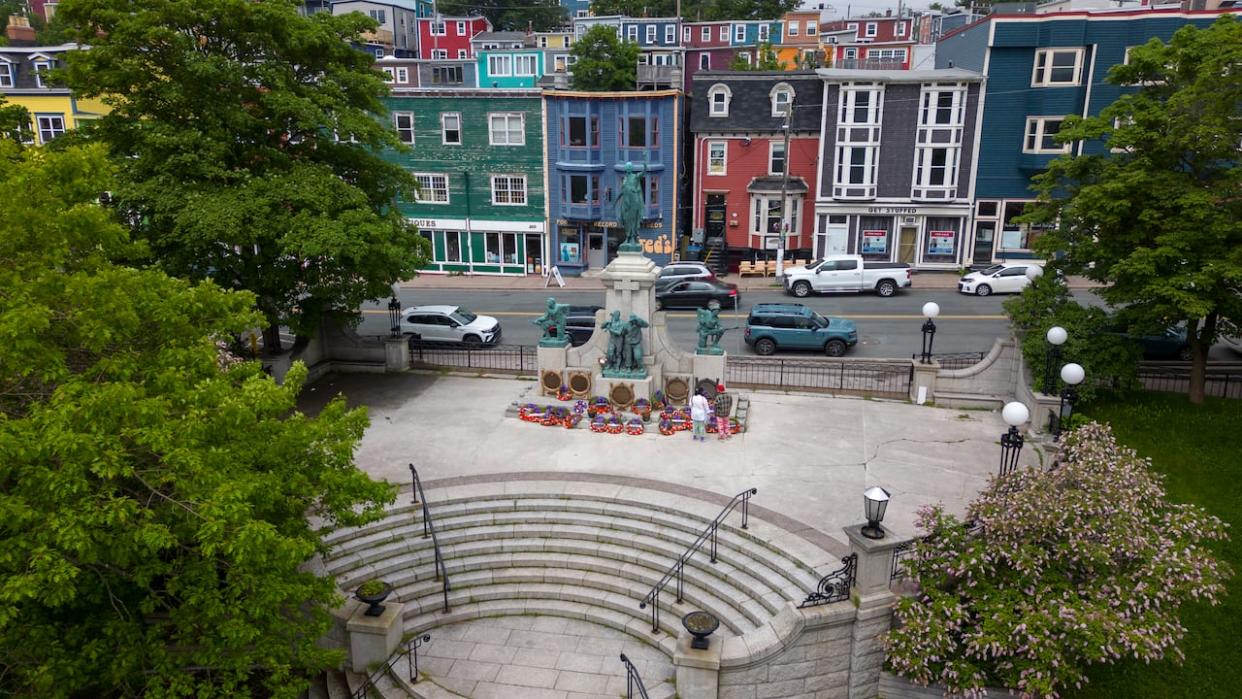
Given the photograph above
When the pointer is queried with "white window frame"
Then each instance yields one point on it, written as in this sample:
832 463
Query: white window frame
773 145
687 34
745 56
900 29
41 69
406 130
389 73
6 74
871 29
739 33
849 105
1037 126
45 123
670 34
724 33
443 27
444 129
780 89
705 34
651 33
811 28
719 89
1041 70
461 28
886 55
929 106
403 75
500 66
765 32
705 61
923 168
509 190
426 184
792 30
723 158
631 33
520 71
506 116
791 214
439 54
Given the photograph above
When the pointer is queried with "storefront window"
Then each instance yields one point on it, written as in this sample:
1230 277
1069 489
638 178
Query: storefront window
570 249
494 248
454 247
1014 235
874 236
940 243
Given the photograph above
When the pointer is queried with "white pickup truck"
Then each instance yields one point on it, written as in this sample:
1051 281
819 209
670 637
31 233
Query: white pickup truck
847 273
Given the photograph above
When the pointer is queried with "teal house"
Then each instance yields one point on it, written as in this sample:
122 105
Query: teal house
508 68
478 159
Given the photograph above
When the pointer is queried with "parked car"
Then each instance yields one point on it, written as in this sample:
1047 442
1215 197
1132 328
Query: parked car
1004 278
450 324
697 293
839 274
1172 343
683 270
580 324
773 326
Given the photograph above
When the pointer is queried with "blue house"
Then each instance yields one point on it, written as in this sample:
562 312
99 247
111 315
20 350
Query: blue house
576 8
591 139
1039 69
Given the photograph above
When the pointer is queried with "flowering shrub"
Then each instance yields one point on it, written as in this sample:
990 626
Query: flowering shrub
1056 570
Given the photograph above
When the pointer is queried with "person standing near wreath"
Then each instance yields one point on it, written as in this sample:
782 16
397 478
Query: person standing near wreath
698 415
723 405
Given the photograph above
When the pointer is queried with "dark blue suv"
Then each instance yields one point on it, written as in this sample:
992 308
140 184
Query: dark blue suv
773 326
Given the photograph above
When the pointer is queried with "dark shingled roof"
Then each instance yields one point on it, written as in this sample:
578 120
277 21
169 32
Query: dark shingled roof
750 109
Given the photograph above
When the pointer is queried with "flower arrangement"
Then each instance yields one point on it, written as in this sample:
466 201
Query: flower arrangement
666 427
735 427
531 413
599 406
615 426
642 408
599 423
554 416
635 426
571 420
580 407
658 401
563 393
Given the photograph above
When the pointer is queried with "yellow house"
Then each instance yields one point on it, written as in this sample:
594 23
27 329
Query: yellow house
553 40
53 109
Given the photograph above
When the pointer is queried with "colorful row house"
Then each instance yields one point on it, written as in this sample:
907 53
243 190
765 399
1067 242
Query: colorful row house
24 81
716 45
592 140
478 158
741 159
871 43
441 38
1041 68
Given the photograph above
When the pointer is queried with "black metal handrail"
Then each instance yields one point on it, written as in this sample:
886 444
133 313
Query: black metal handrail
679 568
429 527
835 586
901 552
409 650
633 680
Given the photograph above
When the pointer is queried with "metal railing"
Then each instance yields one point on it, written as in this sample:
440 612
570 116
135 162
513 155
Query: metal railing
849 376
633 680
409 649
514 359
956 360
711 532
900 553
1218 381
429 528
835 586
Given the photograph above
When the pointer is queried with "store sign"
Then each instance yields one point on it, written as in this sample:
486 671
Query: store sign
892 210
874 242
940 242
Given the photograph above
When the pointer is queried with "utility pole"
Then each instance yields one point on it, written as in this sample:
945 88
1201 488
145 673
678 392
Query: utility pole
786 224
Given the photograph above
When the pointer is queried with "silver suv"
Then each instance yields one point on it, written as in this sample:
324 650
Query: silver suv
681 271
450 324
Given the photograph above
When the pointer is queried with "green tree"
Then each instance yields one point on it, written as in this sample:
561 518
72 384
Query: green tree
507 15
247 142
154 491
14 119
1057 570
604 62
765 59
1159 220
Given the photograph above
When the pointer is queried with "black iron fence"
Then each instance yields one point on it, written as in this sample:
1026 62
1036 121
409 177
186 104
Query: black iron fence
509 359
1219 381
956 360
849 376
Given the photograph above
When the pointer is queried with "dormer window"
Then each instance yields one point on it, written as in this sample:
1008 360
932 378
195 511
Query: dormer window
6 74
782 96
41 69
719 97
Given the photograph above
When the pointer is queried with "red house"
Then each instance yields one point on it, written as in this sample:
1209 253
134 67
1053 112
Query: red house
737 120
449 37
881 43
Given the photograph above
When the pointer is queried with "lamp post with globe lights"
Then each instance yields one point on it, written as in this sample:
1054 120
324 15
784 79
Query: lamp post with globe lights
931 309
1072 374
1015 415
1056 337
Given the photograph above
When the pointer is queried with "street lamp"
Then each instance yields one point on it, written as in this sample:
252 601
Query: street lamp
1056 337
394 317
875 502
1015 414
1072 375
931 309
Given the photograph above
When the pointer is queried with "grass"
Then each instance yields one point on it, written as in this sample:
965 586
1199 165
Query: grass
1199 449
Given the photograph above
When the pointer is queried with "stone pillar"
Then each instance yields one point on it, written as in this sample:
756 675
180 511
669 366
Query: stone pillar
396 354
924 378
875 609
710 366
372 639
698 671
1047 408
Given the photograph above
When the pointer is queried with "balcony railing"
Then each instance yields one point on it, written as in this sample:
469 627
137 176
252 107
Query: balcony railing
659 75
864 64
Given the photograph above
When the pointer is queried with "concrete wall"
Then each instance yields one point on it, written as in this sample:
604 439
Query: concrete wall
803 652
992 380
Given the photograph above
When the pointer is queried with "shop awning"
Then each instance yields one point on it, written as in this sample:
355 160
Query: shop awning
772 185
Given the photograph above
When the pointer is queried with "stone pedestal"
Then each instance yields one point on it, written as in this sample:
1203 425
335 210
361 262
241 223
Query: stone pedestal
710 366
372 639
396 354
925 379
552 358
1047 409
698 671
875 608
643 388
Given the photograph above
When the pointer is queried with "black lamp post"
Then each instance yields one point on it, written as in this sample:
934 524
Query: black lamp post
394 317
1015 415
1072 375
1056 337
875 502
931 309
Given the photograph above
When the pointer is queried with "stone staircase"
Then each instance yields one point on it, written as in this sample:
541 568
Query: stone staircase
588 549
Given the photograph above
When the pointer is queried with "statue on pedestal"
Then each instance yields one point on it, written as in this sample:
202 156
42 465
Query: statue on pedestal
552 322
710 331
634 343
624 358
630 209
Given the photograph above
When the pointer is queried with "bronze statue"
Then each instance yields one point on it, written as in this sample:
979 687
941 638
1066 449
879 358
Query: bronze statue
552 322
615 328
710 331
634 342
630 205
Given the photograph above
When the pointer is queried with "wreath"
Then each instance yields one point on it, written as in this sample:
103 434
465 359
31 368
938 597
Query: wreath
615 426
571 420
635 426
563 393
599 423
666 428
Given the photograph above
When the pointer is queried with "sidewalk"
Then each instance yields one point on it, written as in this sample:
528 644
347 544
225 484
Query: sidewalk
922 280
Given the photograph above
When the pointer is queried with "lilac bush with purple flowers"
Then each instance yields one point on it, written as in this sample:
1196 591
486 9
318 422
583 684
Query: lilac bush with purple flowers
1054 571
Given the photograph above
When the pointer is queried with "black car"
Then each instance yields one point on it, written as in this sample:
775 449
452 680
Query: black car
697 293
580 323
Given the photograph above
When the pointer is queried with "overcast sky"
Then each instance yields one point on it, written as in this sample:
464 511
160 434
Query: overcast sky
837 8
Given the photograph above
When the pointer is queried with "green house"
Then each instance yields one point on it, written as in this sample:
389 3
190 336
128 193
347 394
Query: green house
478 158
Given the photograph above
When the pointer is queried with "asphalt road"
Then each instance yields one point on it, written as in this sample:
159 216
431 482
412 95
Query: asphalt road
887 327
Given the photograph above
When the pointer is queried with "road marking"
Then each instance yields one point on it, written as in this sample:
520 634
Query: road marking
675 314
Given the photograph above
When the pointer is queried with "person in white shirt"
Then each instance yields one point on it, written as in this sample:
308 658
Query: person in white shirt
698 414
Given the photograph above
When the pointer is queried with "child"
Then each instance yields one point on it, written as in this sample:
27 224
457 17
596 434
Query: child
698 414
724 405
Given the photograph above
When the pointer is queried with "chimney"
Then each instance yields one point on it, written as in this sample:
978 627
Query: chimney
888 13
20 32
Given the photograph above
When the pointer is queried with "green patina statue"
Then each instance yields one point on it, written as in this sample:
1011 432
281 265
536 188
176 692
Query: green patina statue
710 331
624 358
630 208
552 322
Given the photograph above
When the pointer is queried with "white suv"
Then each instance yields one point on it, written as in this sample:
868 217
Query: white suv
681 271
449 324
